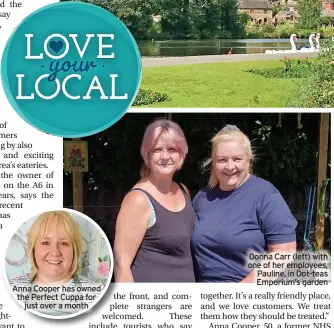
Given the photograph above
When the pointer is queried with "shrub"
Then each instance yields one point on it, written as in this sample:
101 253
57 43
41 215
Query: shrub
285 30
223 34
298 68
318 90
269 28
147 97
304 34
155 31
327 31
254 32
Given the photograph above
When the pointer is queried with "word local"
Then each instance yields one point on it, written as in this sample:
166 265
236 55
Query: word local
94 85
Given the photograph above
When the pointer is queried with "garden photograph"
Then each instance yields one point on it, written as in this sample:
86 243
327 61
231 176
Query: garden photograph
231 53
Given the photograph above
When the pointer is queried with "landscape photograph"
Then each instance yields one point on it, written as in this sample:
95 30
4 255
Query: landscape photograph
231 53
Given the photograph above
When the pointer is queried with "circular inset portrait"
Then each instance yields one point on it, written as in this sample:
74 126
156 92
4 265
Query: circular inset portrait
59 264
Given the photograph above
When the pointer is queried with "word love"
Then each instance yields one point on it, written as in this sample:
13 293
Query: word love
62 46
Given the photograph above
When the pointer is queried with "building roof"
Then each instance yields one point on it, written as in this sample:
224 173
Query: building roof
255 4
287 13
327 13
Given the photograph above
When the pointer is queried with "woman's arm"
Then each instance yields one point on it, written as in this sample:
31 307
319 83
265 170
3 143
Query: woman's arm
284 248
279 248
278 227
131 225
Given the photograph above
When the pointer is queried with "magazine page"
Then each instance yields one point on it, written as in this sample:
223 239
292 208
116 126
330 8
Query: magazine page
166 164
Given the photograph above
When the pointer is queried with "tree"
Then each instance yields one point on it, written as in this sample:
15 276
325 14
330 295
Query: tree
135 14
310 13
244 18
205 18
175 18
229 18
216 18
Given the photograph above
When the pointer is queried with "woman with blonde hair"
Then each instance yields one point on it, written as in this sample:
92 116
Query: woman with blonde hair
54 251
154 226
237 213
54 248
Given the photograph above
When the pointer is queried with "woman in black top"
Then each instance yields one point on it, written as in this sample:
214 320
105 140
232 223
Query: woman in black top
154 226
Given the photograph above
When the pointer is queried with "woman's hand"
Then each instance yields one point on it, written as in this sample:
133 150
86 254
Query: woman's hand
131 225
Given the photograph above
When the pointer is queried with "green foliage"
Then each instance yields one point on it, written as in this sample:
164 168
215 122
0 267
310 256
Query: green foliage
283 151
147 97
229 18
269 31
285 30
204 19
135 14
318 90
180 19
325 21
310 13
155 31
254 32
304 33
244 18
200 19
327 31
297 68
269 28
175 18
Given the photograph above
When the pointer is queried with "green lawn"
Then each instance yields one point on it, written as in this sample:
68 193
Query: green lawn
219 85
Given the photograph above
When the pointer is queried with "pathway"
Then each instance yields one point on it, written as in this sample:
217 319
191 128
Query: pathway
169 61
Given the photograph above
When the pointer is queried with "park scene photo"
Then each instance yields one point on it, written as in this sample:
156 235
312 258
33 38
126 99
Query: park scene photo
231 53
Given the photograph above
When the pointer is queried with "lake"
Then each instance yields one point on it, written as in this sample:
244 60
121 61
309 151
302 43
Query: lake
213 47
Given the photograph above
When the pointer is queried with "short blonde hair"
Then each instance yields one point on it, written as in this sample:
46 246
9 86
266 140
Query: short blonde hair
226 134
39 229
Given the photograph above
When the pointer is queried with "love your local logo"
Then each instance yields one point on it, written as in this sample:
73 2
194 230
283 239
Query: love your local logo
72 80
59 50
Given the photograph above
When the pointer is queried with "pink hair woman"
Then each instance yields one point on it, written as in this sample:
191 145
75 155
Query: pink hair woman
156 220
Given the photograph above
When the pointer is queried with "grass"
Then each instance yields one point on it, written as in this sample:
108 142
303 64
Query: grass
219 85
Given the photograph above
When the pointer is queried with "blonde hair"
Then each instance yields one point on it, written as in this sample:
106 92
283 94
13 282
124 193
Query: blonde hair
226 134
40 228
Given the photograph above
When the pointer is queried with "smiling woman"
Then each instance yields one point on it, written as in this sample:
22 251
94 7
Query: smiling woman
154 244
238 213
56 252
54 248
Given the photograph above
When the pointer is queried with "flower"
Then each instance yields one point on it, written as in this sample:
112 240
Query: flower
103 269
